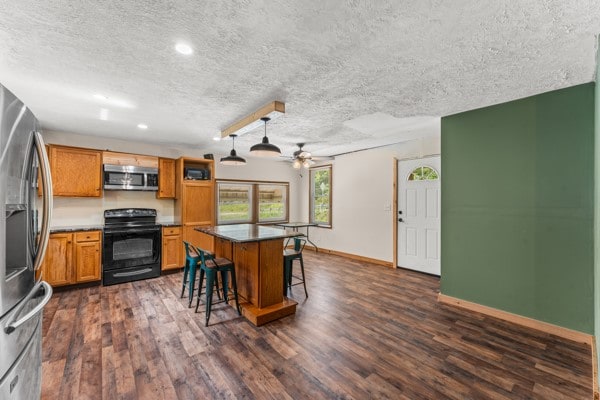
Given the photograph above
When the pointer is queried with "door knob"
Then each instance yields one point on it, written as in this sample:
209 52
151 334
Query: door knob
400 220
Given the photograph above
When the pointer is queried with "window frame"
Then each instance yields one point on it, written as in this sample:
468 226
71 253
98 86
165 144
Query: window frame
251 205
286 202
311 196
255 201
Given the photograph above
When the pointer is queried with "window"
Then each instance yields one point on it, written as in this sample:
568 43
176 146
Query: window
235 203
251 202
272 200
320 195
423 174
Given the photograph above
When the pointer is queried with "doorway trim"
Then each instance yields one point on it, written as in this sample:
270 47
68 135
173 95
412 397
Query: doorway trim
395 212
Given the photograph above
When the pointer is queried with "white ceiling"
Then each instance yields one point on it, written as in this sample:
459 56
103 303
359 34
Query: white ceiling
353 74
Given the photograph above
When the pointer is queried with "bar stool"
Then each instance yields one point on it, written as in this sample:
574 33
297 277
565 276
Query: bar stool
192 260
210 266
288 262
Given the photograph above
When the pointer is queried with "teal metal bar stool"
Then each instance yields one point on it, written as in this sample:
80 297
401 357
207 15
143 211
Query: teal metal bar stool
192 261
211 266
289 255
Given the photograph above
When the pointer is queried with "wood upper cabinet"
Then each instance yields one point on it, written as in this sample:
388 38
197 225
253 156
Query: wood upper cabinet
166 178
76 172
72 258
172 243
139 160
198 203
195 202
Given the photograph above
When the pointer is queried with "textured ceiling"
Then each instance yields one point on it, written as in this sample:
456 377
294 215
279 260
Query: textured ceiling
353 74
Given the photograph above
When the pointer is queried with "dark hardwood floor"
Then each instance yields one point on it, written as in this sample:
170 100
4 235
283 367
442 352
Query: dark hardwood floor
366 331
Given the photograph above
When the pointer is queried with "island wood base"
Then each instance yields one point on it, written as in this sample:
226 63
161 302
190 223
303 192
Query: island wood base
260 316
259 273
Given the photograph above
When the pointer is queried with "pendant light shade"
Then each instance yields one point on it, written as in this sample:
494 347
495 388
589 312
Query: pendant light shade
232 158
265 149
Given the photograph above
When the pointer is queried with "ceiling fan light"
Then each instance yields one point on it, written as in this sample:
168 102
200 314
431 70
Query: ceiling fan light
306 164
297 164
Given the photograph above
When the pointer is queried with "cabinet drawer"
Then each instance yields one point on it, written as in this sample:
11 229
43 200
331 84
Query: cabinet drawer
172 230
91 236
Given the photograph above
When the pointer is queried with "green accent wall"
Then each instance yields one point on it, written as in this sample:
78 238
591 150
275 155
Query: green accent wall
518 207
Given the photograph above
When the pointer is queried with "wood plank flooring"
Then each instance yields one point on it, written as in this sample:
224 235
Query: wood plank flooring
365 332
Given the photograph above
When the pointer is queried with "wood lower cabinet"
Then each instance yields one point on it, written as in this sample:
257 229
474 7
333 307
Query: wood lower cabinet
72 258
57 268
172 257
198 239
87 256
76 172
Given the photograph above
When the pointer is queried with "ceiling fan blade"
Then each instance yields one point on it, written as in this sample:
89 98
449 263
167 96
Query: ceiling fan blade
322 158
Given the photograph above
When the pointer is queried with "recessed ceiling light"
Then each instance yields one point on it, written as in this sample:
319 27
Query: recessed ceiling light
100 96
142 126
103 114
217 138
184 48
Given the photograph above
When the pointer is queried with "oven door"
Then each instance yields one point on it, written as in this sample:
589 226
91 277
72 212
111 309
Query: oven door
130 247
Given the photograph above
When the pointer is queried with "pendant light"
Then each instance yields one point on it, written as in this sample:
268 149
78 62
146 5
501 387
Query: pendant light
265 149
232 158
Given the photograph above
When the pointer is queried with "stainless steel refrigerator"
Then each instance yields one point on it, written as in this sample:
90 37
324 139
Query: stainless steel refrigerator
23 240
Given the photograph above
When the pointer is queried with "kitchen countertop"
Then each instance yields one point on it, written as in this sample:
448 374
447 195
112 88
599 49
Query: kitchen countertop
79 228
75 228
241 233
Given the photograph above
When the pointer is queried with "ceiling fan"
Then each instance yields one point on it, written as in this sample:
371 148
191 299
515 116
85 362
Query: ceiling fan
301 158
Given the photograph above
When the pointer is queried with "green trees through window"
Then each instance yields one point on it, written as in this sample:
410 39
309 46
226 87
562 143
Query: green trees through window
320 195
235 203
241 202
423 174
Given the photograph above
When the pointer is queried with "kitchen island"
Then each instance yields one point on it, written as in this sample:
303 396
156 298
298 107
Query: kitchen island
257 252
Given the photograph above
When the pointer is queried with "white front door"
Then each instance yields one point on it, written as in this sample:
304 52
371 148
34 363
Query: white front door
419 210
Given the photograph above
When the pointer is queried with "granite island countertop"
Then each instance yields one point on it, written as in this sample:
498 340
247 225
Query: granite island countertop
241 233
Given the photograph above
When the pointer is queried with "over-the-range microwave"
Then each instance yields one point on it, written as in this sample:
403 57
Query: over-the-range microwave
130 177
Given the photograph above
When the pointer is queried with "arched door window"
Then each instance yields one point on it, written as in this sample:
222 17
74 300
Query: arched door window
423 173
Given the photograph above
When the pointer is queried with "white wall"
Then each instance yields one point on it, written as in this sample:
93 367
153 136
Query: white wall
73 211
362 198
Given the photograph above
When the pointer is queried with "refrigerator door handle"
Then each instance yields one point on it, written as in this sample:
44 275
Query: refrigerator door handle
47 196
12 326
